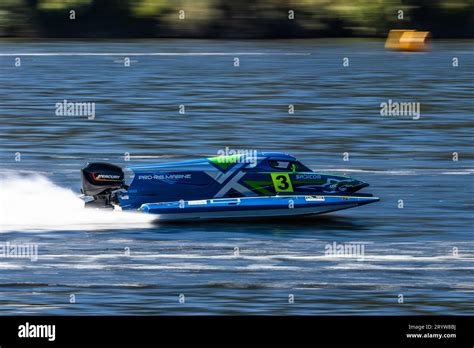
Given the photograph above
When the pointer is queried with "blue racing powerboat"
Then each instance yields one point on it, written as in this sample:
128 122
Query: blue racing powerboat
222 187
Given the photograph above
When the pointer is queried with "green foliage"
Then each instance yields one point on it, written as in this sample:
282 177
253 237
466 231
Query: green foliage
49 5
247 18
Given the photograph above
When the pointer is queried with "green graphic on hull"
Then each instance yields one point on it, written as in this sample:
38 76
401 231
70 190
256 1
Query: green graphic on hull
225 162
309 182
259 186
282 182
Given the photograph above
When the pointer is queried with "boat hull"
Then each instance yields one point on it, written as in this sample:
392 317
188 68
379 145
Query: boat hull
252 207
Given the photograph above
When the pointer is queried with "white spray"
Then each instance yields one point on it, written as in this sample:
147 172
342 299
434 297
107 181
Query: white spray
35 203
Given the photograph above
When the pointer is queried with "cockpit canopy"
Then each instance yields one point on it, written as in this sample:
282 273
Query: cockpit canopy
276 161
288 165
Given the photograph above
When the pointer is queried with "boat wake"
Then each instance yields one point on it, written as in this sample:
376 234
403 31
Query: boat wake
34 203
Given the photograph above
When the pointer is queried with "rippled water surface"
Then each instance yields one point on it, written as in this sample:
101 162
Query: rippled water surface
116 264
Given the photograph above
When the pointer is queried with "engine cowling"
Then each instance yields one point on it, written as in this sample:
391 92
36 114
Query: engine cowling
100 180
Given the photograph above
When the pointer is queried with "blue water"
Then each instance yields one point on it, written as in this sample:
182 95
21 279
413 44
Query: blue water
408 251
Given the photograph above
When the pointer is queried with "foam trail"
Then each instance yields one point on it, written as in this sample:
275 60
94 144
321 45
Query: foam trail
34 203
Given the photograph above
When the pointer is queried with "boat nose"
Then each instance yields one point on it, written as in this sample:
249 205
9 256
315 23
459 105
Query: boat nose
367 200
359 185
353 186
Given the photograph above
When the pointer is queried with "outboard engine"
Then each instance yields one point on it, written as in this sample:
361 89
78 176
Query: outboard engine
100 181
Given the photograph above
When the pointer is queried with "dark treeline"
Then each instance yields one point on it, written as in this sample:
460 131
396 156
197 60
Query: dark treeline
233 18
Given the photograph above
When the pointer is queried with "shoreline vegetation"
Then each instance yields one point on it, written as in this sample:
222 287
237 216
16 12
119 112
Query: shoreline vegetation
227 19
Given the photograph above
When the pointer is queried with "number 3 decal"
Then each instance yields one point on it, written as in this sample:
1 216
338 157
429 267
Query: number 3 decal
282 182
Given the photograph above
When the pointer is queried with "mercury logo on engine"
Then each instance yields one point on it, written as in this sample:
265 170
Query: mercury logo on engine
100 177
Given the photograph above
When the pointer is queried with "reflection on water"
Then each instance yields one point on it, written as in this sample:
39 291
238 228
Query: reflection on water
423 250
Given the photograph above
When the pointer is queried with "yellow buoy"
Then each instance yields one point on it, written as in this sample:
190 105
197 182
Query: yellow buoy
408 40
